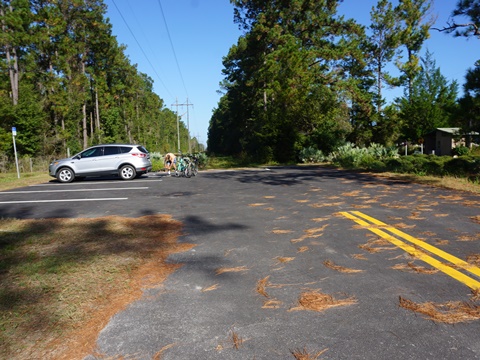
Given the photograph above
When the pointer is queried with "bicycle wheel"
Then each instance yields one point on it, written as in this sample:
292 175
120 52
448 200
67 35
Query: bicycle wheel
188 171
194 169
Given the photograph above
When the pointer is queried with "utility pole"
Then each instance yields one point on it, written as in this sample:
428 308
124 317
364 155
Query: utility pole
188 124
178 126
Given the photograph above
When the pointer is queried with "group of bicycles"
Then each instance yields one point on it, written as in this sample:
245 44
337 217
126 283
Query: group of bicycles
187 166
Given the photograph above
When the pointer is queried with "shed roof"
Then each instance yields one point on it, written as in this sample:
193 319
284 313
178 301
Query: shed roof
453 131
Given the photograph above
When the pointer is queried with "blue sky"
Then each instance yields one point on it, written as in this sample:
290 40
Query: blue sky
182 48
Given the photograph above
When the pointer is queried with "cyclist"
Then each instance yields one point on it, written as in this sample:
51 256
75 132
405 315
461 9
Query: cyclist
169 161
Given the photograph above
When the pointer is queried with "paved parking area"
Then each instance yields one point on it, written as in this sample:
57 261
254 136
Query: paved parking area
269 244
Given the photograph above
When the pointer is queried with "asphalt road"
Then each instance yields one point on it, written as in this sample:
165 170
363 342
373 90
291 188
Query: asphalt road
267 238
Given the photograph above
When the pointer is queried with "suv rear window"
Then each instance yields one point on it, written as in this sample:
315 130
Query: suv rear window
111 150
125 149
142 149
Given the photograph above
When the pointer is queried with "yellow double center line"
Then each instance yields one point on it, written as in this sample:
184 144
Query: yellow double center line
377 227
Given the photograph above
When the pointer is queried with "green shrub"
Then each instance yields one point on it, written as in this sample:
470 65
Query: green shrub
156 156
434 165
418 162
369 162
460 150
311 155
461 166
399 165
202 160
350 156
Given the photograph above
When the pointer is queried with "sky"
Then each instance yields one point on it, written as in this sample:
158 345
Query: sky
180 44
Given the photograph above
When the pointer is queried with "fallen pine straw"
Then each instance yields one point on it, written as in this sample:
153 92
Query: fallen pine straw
282 231
310 234
474 259
316 301
476 219
284 259
210 288
158 355
475 294
236 340
331 265
321 205
377 245
271 304
452 312
304 354
411 267
261 285
359 257
231 269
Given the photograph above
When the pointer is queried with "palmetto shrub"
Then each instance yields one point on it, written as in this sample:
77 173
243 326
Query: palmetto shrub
311 155
371 158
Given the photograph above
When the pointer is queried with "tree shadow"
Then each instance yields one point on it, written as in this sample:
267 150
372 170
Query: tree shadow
49 265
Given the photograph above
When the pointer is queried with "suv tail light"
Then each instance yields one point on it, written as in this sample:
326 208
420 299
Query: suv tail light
140 155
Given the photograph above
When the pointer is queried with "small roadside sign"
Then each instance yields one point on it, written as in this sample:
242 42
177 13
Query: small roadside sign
14 133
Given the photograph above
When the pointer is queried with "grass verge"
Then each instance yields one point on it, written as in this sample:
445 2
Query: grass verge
62 279
11 181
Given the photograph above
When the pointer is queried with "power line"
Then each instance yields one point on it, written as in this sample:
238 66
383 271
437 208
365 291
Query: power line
188 124
141 49
173 49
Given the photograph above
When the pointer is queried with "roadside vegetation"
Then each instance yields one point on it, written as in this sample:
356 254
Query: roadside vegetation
59 286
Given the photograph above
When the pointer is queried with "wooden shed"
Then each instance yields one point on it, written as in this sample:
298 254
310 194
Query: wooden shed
441 141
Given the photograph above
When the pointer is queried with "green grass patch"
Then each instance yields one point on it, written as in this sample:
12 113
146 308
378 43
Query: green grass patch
11 181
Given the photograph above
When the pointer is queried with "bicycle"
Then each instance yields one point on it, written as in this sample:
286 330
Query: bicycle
194 165
184 167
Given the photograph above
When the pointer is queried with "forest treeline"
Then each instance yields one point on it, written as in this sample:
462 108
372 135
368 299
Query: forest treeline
65 83
301 76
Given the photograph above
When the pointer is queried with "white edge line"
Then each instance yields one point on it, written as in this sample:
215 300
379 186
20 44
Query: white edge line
70 200
71 190
53 183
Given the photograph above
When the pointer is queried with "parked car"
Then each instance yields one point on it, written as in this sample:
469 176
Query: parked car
125 160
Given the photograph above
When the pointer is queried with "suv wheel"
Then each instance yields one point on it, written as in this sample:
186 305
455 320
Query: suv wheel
127 172
65 175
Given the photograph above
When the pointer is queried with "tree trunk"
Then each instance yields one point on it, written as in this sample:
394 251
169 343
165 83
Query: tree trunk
84 114
12 61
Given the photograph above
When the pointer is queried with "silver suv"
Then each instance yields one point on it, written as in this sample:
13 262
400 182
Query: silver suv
125 160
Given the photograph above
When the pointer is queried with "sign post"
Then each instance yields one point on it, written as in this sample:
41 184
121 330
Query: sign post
14 133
